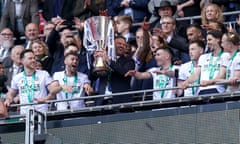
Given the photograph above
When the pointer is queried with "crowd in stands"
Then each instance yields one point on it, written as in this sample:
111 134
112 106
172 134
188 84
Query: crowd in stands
44 56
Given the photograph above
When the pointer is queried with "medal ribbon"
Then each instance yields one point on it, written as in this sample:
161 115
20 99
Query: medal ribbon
66 82
230 63
162 81
29 88
212 67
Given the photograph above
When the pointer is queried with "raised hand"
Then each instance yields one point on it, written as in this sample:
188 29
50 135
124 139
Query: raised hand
145 25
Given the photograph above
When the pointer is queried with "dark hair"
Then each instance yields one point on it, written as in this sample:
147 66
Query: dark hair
166 49
119 36
71 44
199 43
24 52
70 53
220 26
215 33
195 25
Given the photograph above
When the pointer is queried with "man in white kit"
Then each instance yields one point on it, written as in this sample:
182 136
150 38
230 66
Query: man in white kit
32 85
74 84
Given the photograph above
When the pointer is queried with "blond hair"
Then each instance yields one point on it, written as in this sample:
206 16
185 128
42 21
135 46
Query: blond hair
219 16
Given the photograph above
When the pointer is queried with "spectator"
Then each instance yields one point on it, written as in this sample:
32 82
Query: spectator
12 64
48 27
211 12
115 81
58 8
229 71
74 84
57 47
155 3
156 42
196 49
165 8
57 44
177 43
162 74
124 24
31 33
141 56
88 8
6 42
17 14
215 25
194 32
40 50
209 65
186 8
137 9
24 82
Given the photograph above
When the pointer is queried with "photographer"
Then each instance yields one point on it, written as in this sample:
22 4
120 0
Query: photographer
59 38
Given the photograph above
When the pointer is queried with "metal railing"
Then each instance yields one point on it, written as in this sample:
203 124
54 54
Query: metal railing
30 136
143 103
192 18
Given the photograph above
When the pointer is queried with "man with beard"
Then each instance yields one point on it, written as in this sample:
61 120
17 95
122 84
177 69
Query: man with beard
6 42
74 84
32 85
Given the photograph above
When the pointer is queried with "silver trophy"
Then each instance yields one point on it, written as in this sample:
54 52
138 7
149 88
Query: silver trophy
98 36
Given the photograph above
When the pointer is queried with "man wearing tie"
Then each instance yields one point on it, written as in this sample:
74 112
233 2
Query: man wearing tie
31 33
12 64
6 42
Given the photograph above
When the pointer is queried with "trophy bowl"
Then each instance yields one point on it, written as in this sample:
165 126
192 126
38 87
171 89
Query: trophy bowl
99 36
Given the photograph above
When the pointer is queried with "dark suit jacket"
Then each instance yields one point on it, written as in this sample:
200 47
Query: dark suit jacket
66 10
56 51
29 10
118 82
92 10
8 69
180 44
7 62
139 8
